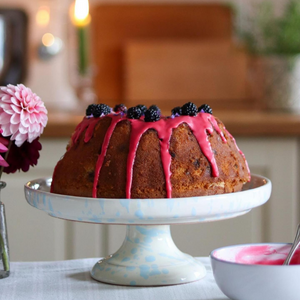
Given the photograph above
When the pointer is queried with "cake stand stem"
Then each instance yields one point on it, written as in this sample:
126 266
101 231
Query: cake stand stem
148 257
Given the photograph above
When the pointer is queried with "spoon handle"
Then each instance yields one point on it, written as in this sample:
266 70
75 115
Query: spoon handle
294 247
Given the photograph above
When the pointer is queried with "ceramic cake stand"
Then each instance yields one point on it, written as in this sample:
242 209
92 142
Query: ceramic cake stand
148 256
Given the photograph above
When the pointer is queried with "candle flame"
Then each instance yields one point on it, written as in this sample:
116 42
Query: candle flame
81 10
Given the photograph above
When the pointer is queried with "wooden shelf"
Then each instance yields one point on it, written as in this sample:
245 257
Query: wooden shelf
260 123
61 125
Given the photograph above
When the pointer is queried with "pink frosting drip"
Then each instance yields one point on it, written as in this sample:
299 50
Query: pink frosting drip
81 127
90 130
138 128
201 125
115 119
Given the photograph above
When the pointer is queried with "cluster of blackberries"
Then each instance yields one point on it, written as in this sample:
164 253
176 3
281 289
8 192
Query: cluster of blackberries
152 114
190 109
97 110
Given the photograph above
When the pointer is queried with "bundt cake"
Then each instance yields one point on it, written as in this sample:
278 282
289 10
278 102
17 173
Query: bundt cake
137 153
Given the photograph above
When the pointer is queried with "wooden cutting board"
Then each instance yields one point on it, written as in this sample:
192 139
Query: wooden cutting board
114 25
170 72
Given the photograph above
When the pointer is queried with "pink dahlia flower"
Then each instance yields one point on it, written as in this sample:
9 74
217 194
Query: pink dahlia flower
23 115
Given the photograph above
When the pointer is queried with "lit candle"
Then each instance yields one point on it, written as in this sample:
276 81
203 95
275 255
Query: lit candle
81 20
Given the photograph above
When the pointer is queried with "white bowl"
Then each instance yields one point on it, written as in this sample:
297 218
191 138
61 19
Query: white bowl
255 272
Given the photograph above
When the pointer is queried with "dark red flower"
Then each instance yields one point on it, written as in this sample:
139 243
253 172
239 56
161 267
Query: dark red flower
21 158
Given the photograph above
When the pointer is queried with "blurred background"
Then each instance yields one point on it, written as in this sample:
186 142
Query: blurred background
241 57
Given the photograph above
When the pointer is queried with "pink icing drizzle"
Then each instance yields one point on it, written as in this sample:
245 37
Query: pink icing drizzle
87 124
114 121
201 125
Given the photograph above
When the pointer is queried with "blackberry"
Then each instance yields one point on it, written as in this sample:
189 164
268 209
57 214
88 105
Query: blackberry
152 115
143 108
189 109
120 108
205 108
90 109
101 109
176 111
155 107
134 113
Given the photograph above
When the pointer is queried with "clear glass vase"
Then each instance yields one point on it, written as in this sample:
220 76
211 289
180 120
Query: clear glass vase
4 249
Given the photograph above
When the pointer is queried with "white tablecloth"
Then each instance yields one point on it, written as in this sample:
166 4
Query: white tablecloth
71 280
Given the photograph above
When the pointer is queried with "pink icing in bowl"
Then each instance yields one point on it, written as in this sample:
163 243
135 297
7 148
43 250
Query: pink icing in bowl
259 254
255 272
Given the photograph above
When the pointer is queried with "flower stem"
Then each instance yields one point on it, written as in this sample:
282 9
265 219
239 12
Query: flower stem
4 255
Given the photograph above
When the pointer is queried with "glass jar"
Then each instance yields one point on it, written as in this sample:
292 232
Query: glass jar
4 249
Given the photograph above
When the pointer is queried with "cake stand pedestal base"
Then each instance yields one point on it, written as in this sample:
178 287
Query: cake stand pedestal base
148 257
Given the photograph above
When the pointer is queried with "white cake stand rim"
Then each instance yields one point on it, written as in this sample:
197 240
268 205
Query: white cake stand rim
148 211
30 186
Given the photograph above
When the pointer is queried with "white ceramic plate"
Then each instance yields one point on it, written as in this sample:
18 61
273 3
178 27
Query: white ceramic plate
148 211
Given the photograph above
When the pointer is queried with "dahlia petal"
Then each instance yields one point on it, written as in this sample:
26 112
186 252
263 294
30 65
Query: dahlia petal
4 141
10 91
24 114
24 93
23 119
29 101
34 128
3 148
5 98
16 109
20 139
6 129
21 86
34 119
18 96
7 108
25 168
30 128
43 109
31 136
15 102
4 118
38 117
3 163
25 124
44 120
22 129
13 128
14 135
15 119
